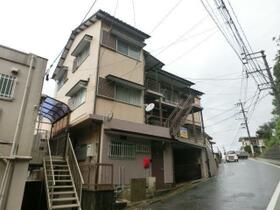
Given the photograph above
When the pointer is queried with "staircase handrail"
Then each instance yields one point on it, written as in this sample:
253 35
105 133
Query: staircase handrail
75 159
183 106
51 161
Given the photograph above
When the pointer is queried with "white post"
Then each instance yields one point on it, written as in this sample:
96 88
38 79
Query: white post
252 150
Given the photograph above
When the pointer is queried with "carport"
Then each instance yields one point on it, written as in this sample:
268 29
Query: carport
187 162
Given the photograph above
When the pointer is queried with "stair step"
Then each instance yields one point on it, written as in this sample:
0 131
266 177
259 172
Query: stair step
62 192
61 175
61 180
64 199
65 206
59 170
56 163
60 166
61 186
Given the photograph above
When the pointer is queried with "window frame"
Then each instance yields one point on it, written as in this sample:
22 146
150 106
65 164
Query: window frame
11 95
124 154
128 49
130 89
75 106
76 65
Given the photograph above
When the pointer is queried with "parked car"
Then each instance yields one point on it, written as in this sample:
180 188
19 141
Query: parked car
242 155
231 156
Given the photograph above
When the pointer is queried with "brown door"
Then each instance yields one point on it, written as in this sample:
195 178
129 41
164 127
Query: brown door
157 165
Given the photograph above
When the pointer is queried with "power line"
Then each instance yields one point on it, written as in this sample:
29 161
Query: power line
182 35
219 27
219 114
116 7
133 9
60 53
248 60
190 50
89 11
220 121
214 79
166 16
185 39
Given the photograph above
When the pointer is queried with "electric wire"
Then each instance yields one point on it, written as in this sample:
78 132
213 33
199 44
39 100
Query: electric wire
219 27
166 16
185 39
133 9
116 7
190 50
182 35
60 53
94 2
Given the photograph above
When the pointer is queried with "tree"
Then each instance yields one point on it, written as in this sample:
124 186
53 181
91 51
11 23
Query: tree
265 130
247 148
276 73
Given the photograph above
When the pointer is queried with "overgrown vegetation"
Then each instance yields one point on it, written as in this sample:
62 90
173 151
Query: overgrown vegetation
247 148
270 131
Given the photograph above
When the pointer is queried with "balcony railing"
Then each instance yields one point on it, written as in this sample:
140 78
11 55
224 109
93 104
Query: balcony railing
152 85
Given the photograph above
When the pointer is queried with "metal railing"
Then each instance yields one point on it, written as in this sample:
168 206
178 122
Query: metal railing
179 115
52 173
74 168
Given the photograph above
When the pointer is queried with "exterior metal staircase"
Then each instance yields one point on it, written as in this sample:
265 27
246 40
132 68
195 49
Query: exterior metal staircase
178 116
63 180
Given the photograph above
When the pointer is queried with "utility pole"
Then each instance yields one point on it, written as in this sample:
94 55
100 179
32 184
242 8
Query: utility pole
273 86
247 127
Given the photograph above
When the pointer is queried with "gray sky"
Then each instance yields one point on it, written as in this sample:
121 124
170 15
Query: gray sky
43 27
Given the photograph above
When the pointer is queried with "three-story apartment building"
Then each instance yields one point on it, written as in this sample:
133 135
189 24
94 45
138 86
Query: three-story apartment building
108 80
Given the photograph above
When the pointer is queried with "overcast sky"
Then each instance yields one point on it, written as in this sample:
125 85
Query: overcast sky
202 55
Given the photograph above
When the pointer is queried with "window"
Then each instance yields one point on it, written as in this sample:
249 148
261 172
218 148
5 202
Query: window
81 52
134 52
121 150
81 57
128 50
143 148
61 81
77 99
128 95
7 84
108 40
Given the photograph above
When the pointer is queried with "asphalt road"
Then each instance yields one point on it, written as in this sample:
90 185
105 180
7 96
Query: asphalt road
244 185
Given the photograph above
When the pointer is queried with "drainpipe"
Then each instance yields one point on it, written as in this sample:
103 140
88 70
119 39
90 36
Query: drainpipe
8 169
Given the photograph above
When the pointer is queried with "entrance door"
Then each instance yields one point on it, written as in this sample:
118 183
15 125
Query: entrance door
157 165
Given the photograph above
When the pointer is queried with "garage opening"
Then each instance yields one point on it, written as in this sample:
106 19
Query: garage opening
34 196
187 164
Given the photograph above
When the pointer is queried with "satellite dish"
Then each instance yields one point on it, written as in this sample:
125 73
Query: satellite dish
150 107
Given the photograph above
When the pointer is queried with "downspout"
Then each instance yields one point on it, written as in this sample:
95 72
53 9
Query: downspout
8 169
99 158
97 70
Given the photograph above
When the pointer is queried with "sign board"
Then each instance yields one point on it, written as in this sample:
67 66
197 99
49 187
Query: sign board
183 133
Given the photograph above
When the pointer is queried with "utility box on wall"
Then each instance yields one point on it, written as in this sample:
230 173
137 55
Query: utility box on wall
84 151
91 150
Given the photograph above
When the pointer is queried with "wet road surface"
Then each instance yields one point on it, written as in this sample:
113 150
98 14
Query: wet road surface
246 185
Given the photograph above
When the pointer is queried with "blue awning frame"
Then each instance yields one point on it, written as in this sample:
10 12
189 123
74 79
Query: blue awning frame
53 109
